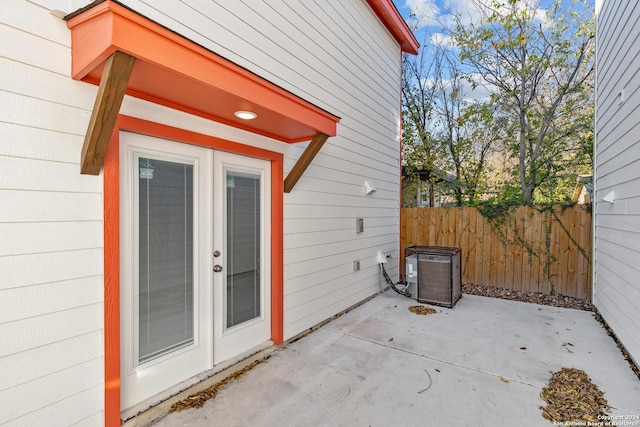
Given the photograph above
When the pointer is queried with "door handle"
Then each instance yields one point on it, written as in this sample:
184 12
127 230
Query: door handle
217 268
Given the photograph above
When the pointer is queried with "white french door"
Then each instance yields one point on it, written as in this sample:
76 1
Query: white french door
195 262
242 271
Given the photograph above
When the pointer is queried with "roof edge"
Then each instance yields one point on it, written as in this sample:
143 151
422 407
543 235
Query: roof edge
386 11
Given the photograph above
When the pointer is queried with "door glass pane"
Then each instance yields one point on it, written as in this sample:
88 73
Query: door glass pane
243 287
166 256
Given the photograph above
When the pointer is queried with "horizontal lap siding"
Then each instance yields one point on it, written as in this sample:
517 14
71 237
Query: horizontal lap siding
338 56
51 314
617 168
319 262
320 280
334 54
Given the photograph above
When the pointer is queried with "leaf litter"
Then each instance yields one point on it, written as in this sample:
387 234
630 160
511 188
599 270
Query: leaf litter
531 297
197 400
421 310
572 397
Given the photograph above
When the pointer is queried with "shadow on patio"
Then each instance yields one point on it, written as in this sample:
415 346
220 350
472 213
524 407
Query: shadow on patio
483 362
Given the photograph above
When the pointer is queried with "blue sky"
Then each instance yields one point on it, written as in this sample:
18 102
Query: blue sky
435 12
437 9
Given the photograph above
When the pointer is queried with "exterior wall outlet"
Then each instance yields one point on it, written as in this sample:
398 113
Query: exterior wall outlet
356 265
359 225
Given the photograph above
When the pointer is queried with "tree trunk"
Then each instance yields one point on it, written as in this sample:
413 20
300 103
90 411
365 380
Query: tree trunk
527 192
431 194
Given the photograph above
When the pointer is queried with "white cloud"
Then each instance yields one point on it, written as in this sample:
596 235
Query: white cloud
442 12
466 10
476 90
539 14
439 39
471 92
481 92
426 12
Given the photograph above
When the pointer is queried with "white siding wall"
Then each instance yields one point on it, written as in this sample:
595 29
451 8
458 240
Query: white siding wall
335 54
51 340
617 169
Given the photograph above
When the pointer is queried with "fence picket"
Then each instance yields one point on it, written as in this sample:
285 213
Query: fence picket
469 270
532 249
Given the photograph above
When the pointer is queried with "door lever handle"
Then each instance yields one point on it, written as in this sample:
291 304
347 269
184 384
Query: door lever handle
217 268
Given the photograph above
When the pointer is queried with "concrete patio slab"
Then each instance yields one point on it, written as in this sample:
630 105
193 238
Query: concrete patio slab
483 362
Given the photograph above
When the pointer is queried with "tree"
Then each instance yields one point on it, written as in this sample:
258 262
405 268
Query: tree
420 148
540 72
448 105
485 130
441 131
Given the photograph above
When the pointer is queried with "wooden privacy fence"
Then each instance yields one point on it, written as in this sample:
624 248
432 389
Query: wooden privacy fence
532 249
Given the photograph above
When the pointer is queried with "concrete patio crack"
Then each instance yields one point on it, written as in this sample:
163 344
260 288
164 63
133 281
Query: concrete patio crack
446 362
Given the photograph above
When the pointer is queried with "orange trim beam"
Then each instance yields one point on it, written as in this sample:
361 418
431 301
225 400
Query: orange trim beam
304 161
111 206
117 70
178 73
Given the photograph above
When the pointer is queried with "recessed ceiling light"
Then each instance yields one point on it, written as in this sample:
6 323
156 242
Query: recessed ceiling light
245 115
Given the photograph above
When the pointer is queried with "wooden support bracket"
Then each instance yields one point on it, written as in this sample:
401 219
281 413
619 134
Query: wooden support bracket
304 161
113 84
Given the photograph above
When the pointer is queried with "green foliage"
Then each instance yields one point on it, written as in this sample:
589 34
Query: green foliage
496 211
442 130
541 76
538 119
508 196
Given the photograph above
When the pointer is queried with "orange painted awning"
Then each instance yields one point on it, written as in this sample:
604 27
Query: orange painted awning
178 73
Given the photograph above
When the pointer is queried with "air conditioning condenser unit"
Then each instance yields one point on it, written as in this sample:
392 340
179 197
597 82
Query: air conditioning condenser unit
432 274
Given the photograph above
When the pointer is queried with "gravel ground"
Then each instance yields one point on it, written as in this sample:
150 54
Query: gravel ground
533 297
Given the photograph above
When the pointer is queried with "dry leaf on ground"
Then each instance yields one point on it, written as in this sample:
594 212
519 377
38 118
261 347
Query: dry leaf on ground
197 400
572 397
421 310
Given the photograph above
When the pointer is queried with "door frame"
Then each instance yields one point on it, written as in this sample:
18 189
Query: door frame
111 182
